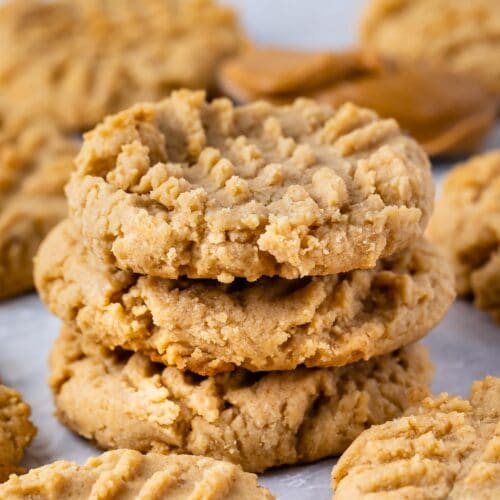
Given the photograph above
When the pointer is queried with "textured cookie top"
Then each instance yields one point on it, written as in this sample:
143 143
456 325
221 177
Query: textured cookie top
466 224
206 190
35 163
127 475
463 33
271 324
16 431
446 448
120 399
80 60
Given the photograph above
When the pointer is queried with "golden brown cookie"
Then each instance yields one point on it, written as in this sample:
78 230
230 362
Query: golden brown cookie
80 60
463 34
447 447
206 190
129 474
271 324
466 224
258 420
448 114
16 431
35 163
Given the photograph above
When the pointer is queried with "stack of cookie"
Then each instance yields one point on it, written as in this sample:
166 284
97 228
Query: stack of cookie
242 283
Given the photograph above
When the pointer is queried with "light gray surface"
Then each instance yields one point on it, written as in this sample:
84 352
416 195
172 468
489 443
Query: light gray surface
464 347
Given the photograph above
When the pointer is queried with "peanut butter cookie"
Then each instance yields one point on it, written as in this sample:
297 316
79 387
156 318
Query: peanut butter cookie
447 447
271 324
16 431
35 163
463 34
448 114
259 420
127 474
79 60
466 225
206 190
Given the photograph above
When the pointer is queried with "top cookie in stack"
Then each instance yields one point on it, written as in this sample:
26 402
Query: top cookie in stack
206 190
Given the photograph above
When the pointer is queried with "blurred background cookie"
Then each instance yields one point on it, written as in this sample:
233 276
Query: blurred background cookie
35 163
462 34
79 60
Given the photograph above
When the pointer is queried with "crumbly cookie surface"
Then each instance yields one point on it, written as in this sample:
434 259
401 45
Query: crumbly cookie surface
272 324
79 60
258 420
16 431
128 474
466 224
35 163
447 447
206 190
464 34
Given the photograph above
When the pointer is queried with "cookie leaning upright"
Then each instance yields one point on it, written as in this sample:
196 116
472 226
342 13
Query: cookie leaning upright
466 224
206 190
80 60
16 431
